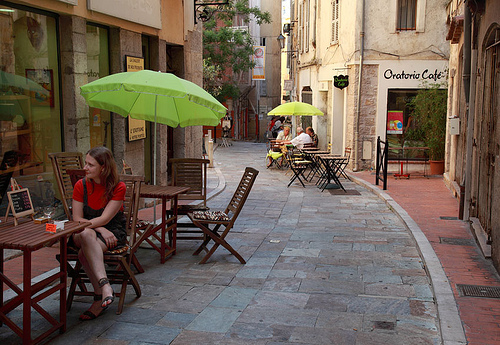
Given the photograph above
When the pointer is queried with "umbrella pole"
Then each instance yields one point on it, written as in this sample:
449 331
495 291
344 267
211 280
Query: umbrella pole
154 160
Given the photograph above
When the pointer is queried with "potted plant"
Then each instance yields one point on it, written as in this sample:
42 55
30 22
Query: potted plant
429 109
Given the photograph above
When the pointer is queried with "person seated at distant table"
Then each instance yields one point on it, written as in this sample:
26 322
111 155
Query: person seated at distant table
314 136
284 135
301 139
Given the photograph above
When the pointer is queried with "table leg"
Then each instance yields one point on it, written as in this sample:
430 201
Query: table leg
163 229
63 281
174 225
26 296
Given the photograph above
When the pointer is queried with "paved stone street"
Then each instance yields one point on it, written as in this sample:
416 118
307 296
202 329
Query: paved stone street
321 269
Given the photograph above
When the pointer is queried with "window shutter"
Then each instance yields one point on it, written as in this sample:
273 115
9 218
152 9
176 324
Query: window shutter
335 21
308 20
407 10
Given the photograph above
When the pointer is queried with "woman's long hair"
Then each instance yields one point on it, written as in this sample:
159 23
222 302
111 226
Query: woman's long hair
109 174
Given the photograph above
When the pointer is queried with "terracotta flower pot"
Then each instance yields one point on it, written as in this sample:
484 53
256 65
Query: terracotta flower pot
437 167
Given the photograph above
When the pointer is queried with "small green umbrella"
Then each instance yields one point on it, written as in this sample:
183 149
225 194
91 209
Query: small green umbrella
154 96
295 109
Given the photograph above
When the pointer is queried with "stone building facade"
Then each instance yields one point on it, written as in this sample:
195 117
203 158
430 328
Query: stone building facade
64 44
473 152
338 40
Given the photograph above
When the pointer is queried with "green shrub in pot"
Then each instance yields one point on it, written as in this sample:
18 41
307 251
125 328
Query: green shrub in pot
429 109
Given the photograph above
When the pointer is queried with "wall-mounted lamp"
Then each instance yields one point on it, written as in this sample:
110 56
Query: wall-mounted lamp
202 13
287 28
281 40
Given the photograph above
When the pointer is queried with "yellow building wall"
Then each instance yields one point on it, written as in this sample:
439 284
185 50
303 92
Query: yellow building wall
172 18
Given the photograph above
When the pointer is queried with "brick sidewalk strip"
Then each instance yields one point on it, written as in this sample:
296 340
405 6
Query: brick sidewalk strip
322 268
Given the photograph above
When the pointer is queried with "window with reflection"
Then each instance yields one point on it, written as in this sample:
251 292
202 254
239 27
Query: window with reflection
30 116
98 67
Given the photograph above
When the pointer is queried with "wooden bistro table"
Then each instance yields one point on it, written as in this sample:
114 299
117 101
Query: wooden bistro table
167 225
29 237
333 165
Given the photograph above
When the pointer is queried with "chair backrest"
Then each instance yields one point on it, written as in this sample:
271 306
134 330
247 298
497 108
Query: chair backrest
347 153
127 169
75 175
131 203
192 173
61 162
241 194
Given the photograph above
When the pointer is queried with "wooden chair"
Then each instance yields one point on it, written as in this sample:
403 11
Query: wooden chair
275 156
210 222
298 165
61 162
192 173
75 175
127 169
347 154
118 262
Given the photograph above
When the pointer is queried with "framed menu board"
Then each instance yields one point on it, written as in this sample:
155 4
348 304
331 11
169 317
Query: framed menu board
20 203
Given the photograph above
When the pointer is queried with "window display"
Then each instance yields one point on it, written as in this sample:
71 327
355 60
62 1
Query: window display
30 116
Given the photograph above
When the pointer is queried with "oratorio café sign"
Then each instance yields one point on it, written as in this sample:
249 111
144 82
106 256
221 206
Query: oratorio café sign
425 74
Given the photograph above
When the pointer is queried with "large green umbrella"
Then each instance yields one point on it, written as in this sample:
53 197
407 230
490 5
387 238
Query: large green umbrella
154 96
295 109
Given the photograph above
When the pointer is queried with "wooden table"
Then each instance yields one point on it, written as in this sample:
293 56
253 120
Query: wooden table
312 154
30 237
167 225
333 165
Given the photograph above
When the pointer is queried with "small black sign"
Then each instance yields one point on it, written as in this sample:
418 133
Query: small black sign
341 81
21 202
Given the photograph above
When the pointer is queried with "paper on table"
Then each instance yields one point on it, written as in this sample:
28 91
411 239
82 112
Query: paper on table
60 225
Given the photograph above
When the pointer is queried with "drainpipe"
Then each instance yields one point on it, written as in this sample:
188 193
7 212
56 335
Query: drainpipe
469 76
358 100
315 3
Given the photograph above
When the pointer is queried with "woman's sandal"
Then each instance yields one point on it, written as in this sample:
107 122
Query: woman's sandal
105 304
88 315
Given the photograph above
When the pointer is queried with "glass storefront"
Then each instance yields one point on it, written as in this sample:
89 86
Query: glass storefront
98 67
30 115
402 131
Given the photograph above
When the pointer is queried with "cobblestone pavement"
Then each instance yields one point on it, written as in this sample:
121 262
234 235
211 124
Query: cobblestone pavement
321 268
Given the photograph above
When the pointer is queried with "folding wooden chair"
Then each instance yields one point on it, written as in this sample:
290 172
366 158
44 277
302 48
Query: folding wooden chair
61 162
118 261
127 169
75 175
192 173
210 222
298 167
347 154
275 156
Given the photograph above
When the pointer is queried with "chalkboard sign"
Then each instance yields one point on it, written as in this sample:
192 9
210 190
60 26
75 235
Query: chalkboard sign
20 202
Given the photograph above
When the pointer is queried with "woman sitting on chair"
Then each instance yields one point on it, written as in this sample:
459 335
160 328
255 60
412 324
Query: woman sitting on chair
98 199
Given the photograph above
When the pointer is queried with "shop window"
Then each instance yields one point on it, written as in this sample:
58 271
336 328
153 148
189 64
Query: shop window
98 67
406 15
30 116
402 131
